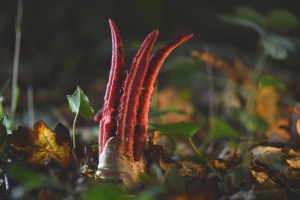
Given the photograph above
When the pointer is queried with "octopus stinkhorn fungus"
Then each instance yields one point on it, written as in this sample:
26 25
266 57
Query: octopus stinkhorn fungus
124 116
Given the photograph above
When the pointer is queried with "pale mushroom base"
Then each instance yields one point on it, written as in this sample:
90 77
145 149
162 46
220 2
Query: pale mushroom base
115 165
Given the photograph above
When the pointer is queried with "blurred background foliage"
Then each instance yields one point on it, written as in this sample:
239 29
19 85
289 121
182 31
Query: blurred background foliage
67 43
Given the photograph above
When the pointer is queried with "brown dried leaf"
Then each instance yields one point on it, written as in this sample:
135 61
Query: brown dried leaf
298 126
169 96
41 144
261 177
266 105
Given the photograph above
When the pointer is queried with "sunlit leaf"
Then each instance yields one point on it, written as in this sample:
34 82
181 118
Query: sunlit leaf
282 20
271 81
261 177
272 156
181 129
41 144
221 129
104 191
79 103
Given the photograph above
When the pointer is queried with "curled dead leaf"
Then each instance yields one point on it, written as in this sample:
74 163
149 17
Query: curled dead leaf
42 144
261 177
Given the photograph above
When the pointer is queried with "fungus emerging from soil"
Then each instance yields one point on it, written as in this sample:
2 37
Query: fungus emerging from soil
124 116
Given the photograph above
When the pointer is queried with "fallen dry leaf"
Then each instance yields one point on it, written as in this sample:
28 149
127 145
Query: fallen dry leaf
41 144
261 177
266 105
169 97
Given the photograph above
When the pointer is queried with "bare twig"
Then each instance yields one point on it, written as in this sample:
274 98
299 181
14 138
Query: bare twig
30 104
14 94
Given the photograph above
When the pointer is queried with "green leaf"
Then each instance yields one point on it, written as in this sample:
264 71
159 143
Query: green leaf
272 81
104 191
235 20
181 129
79 103
282 20
159 113
3 135
3 132
198 159
277 46
31 179
252 123
250 14
221 129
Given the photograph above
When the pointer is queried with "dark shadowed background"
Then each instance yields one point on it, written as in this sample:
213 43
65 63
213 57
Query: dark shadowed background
67 43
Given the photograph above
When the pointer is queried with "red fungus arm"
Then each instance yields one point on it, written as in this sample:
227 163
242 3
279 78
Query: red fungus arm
113 93
142 117
98 116
132 91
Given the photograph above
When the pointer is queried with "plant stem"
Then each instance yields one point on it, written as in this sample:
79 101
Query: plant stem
1 105
30 105
200 154
195 148
14 94
73 130
259 66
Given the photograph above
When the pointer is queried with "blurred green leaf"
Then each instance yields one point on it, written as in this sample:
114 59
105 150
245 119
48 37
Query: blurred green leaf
182 69
252 123
79 103
31 179
158 113
3 132
181 129
282 20
272 81
198 159
104 191
235 20
221 129
3 135
250 14
277 46
150 193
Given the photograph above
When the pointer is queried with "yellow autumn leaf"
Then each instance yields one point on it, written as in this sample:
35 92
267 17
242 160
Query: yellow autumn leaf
266 104
42 144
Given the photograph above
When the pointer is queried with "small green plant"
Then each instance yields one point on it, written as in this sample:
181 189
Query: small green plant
79 104
272 43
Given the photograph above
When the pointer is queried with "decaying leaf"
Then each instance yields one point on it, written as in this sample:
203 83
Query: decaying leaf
282 160
261 177
191 169
267 104
42 144
167 98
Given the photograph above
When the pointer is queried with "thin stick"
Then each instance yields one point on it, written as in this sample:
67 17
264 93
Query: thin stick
30 105
16 59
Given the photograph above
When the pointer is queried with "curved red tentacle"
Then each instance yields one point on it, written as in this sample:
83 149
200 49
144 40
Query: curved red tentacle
132 90
156 63
113 93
